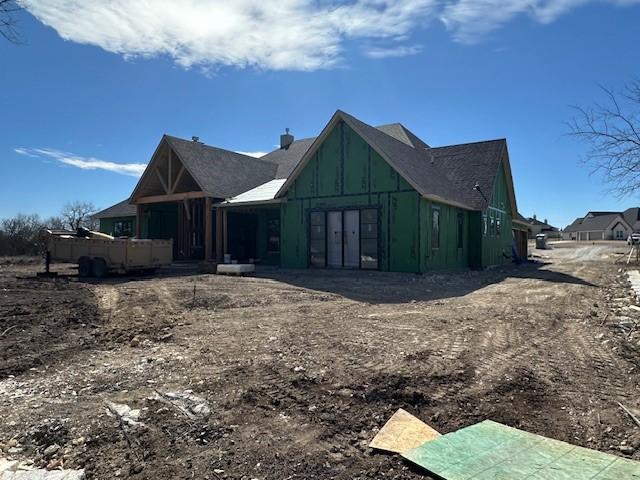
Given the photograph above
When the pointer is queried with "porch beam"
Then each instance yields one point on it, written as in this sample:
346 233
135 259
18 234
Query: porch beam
225 234
175 197
208 226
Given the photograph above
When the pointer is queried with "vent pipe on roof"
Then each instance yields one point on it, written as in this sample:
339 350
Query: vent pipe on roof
286 139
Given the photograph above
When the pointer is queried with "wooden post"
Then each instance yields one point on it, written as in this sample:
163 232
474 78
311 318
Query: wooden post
225 232
208 225
219 234
139 219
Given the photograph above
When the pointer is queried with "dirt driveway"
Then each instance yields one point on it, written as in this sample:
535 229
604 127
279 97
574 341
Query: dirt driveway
298 369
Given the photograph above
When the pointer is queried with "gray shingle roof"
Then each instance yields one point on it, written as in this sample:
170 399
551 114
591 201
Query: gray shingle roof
595 223
449 172
402 133
221 173
287 158
120 209
632 217
468 164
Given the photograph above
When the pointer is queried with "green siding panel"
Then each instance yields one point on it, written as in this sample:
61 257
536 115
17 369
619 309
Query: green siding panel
383 177
347 173
161 221
496 248
449 255
106 225
330 164
356 163
404 232
293 235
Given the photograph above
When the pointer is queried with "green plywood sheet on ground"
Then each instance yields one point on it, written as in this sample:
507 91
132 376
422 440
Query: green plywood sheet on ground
492 451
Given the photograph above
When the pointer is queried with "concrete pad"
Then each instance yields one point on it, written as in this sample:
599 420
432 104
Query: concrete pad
236 268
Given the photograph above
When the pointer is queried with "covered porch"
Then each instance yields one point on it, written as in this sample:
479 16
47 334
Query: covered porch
171 204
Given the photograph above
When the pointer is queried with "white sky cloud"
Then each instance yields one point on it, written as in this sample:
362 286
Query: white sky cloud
84 163
254 154
470 20
277 34
399 51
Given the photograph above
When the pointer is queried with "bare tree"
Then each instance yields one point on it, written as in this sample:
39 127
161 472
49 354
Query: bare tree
8 10
78 214
19 235
612 131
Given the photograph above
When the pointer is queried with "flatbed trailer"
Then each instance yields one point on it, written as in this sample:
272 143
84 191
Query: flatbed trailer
98 254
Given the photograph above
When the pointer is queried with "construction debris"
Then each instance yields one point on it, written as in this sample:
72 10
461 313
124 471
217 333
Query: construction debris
402 433
15 470
634 279
125 414
190 405
492 450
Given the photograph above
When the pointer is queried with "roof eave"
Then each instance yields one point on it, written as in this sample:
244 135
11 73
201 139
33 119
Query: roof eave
228 204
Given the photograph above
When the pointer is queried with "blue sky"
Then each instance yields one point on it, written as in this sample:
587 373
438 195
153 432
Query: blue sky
87 96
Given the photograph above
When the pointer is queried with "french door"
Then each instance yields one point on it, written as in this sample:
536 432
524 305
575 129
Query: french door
344 238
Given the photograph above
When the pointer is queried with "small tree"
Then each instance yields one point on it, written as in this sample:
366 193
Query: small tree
78 214
612 131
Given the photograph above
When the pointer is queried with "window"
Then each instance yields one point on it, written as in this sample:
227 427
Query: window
485 225
460 229
369 239
435 227
498 224
492 226
123 228
273 233
317 244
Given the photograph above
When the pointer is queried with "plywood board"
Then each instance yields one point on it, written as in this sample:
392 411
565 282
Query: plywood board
403 432
492 451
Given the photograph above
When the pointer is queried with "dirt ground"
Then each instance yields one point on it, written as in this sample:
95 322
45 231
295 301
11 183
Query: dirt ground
297 370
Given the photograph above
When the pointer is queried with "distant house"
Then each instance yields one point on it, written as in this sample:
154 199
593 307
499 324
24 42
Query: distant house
356 196
536 227
604 226
118 220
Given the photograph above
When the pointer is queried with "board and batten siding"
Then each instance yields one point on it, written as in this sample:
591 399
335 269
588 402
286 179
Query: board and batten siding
497 246
347 173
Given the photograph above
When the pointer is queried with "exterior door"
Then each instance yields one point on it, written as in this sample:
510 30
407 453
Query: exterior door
334 239
352 238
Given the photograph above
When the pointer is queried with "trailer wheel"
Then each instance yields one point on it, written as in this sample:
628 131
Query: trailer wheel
85 267
100 269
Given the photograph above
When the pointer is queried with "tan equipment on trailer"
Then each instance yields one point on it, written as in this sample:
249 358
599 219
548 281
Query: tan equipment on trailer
98 254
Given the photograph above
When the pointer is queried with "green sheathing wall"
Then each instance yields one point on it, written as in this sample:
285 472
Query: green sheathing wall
161 221
262 237
346 172
404 232
448 256
496 249
106 224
